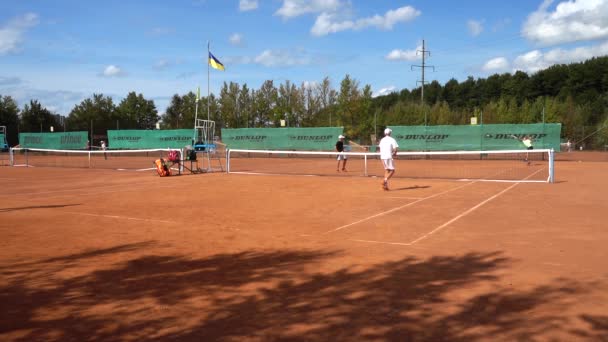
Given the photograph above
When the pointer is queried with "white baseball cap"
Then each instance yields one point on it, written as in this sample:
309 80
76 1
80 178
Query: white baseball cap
388 131
340 136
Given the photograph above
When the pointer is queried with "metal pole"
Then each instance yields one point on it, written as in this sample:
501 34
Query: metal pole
208 96
422 84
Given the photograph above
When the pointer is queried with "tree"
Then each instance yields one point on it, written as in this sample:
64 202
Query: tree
174 113
35 118
311 104
135 112
229 97
245 107
181 112
348 105
9 117
264 104
97 114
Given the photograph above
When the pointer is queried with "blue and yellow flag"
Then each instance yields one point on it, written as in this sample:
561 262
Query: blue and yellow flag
215 63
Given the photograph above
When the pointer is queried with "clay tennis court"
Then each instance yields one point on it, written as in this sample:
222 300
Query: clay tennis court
92 255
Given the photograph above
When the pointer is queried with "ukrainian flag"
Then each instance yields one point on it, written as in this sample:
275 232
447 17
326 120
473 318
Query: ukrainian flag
215 63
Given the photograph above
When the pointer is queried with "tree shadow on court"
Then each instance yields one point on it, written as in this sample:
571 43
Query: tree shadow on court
278 295
56 263
412 187
597 328
2 210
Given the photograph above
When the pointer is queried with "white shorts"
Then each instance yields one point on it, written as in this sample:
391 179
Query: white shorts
388 164
342 156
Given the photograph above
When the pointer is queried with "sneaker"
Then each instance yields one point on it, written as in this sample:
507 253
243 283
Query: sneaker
385 185
344 170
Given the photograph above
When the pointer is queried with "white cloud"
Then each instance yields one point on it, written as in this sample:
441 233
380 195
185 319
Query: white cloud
9 81
327 23
536 60
237 60
160 64
57 101
236 39
248 5
475 27
162 31
310 84
496 65
403 55
384 91
11 35
501 24
571 21
272 58
295 8
112 71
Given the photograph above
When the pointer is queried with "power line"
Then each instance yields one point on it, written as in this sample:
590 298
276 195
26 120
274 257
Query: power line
422 67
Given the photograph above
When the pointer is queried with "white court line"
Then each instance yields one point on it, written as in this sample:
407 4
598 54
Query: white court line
470 210
155 184
449 222
461 215
270 174
395 209
382 242
503 180
118 217
89 193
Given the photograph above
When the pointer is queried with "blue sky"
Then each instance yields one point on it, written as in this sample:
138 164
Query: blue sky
63 51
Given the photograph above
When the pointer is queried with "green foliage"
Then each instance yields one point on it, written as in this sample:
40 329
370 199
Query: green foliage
36 118
96 114
9 117
135 112
575 95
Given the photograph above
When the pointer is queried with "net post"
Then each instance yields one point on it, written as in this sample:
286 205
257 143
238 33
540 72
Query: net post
227 160
551 166
89 156
181 163
365 172
10 157
27 164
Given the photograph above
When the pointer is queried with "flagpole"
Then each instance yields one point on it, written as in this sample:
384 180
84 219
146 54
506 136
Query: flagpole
208 98
198 96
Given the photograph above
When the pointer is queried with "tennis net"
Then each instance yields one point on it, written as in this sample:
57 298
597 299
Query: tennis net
138 160
512 165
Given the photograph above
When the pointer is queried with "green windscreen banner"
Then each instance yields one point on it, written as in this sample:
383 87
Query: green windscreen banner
477 137
54 141
132 139
310 139
2 140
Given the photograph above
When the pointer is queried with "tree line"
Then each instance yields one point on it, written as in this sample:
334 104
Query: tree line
575 95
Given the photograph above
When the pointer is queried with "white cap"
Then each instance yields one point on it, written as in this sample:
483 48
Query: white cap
340 136
388 131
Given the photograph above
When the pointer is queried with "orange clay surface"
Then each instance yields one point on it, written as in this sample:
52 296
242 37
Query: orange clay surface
104 255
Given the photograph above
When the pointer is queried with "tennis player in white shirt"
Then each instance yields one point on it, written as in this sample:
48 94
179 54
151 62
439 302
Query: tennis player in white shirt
388 149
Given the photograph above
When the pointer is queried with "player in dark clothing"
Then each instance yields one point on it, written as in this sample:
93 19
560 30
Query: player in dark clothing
341 156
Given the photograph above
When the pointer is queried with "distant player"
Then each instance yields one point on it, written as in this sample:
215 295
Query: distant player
341 155
388 149
103 148
528 143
